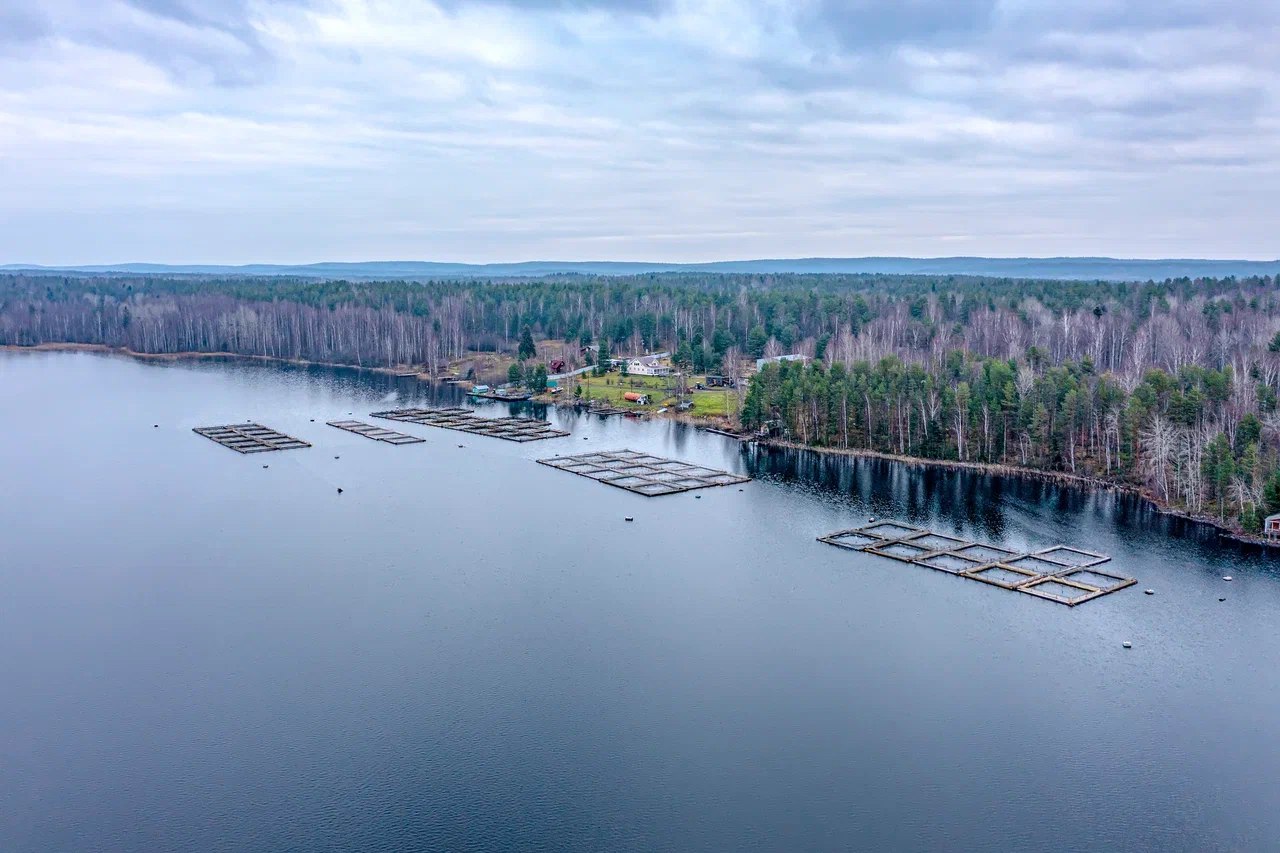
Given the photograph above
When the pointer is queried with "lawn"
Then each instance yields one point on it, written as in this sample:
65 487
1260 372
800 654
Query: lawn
611 387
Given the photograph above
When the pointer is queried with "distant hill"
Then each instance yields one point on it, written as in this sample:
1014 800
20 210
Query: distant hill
1112 269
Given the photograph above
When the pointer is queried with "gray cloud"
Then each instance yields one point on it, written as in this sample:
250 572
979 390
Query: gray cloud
643 7
863 24
21 24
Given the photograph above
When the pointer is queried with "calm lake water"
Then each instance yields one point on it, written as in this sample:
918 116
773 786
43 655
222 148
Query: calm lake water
469 651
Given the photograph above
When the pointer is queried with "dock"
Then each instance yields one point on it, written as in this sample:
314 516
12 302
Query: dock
642 473
518 397
466 420
734 435
376 433
1062 574
250 438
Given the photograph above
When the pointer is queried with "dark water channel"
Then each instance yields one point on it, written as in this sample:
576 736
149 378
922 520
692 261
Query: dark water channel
468 651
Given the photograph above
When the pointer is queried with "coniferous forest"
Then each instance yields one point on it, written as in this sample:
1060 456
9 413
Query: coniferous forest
1170 386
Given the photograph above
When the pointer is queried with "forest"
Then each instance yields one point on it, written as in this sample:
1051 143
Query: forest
1169 386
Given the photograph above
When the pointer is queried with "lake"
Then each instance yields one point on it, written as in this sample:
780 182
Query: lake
467 651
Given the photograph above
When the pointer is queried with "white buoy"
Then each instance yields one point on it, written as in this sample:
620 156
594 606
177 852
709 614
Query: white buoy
1226 577
1128 645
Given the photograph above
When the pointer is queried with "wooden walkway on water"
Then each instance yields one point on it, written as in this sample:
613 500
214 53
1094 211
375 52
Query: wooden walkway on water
1062 574
250 438
376 433
642 473
466 420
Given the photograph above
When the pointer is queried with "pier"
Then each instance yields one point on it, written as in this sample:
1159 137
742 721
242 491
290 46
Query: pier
250 438
376 433
1062 574
466 420
642 473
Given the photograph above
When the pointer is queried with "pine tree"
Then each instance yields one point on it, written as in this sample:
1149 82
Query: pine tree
527 347
603 362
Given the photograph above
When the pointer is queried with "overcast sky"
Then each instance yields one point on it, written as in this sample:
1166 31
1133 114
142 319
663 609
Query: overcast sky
232 131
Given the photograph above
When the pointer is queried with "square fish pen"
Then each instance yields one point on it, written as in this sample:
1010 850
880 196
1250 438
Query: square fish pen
376 433
1061 574
466 420
641 473
250 438
1074 557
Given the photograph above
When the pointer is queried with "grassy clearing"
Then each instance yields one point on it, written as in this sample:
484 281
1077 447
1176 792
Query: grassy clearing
661 390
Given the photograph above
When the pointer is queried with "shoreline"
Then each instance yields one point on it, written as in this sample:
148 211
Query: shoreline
716 425
1059 478
64 346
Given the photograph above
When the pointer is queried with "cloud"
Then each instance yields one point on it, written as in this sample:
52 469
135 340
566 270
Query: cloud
20 24
247 130
876 24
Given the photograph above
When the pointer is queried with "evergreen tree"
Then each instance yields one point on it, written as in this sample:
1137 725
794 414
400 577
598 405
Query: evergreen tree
603 362
527 348
538 379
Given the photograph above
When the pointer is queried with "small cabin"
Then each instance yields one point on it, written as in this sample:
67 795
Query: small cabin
1271 526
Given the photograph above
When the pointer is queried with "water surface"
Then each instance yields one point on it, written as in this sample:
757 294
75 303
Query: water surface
468 651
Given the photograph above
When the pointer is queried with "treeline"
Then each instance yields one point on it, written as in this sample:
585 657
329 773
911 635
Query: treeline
1203 439
1120 327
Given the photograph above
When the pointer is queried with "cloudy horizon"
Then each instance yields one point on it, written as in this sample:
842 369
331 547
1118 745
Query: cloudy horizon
198 131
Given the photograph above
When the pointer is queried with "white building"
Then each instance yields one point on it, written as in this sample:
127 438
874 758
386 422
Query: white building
648 365
761 362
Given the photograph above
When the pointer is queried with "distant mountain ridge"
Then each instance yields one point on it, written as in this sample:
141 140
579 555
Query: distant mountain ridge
1067 268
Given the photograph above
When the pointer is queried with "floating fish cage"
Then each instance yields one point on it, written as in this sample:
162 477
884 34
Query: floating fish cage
466 420
1062 574
376 433
250 438
642 473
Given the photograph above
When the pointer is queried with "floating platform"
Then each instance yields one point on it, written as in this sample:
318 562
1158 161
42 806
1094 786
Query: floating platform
506 398
643 474
466 420
377 433
250 438
1061 574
